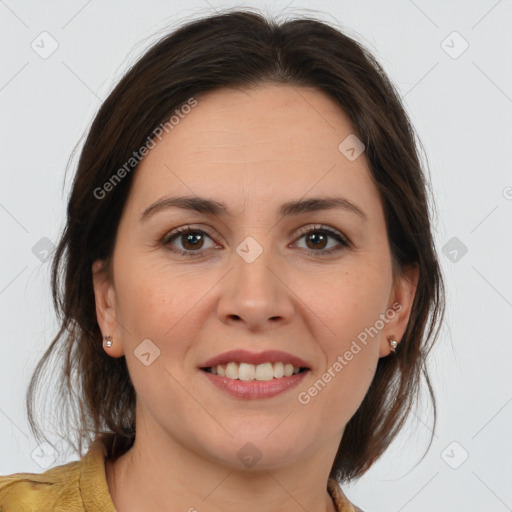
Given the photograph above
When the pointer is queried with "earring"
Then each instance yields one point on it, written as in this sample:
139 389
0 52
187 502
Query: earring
108 340
393 344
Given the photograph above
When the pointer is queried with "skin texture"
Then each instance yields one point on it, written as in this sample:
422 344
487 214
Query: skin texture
252 150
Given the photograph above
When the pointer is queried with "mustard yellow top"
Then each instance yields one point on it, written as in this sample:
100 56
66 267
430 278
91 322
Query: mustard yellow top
81 486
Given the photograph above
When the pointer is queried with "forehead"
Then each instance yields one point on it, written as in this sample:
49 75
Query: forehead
259 142
279 117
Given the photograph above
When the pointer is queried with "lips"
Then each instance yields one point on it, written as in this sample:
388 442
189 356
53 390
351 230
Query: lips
244 356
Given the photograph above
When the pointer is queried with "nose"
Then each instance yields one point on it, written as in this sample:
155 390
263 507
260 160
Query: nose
255 292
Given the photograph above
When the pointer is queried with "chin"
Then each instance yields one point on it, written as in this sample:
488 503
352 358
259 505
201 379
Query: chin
263 449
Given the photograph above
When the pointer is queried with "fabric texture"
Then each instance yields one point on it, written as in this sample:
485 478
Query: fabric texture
81 486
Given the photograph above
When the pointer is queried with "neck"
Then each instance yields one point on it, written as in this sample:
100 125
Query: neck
167 477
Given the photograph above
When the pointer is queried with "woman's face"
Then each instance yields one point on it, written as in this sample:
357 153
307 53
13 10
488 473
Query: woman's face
255 277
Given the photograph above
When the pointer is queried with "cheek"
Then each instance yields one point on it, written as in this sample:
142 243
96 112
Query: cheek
155 304
336 391
168 307
350 386
349 304
347 327
152 299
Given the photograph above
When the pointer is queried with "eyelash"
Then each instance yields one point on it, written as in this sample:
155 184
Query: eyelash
317 228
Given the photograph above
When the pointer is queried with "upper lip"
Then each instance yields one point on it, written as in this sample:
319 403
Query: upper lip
243 356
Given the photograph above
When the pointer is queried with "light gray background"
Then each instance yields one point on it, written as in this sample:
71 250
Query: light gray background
462 110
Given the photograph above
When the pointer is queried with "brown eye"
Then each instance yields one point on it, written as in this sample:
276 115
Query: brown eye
191 240
316 239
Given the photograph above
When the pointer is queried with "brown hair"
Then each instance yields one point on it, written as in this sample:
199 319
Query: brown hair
240 48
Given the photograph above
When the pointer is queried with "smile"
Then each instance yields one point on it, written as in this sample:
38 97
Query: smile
252 388
248 372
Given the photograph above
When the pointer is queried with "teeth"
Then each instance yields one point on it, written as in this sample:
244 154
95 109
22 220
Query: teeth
260 372
278 370
264 371
231 371
246 371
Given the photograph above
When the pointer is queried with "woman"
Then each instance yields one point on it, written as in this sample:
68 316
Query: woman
250 287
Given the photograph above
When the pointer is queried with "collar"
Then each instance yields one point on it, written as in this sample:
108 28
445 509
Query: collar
93 481
338 496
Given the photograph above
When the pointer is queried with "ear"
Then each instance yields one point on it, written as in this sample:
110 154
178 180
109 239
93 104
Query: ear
106 313
400 303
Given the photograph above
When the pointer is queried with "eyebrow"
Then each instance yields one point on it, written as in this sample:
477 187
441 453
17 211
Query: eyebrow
216 208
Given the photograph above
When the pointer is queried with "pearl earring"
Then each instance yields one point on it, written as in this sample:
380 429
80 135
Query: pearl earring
108 340
393 344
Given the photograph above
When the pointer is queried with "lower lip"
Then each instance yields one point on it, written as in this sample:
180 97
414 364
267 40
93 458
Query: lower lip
255 388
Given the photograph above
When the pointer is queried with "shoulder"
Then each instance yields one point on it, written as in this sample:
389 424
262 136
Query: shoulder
73 487
33 492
